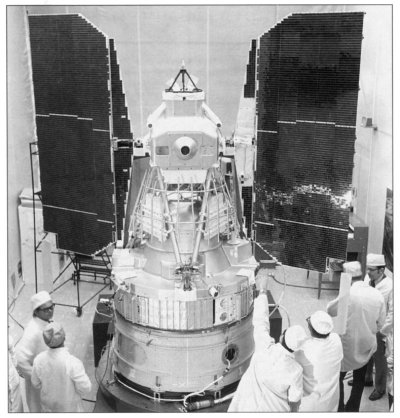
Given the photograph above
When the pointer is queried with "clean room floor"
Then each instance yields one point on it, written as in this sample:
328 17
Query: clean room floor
299 301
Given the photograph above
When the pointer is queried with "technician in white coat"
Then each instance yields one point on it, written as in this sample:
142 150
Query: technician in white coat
365 317
321 357
376 278
273 381
32 344
60 377
387 331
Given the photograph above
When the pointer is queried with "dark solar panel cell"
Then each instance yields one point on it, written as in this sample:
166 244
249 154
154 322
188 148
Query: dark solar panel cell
308 70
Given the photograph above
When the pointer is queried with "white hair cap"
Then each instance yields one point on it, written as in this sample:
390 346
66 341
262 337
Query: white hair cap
295 337
353 268
376 260
53 334
321 322
40 299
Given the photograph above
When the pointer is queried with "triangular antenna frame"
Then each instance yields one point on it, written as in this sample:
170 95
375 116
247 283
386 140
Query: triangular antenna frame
183 73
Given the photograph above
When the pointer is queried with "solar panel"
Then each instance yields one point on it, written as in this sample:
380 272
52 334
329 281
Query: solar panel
80 112
308 70
121 124
122 130
247 196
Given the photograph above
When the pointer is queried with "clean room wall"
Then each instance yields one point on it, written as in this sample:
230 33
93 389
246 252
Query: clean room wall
20 130
373 169
170 34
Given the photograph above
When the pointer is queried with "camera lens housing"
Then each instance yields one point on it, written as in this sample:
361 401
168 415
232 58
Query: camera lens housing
185 147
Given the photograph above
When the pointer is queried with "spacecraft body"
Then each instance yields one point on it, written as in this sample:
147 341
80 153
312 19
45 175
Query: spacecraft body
185 281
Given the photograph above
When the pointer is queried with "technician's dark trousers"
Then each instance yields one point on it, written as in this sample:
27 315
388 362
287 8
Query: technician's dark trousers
380 361
353 404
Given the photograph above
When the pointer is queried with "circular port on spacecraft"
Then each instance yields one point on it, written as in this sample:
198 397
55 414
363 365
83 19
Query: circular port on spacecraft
223 317
185 147
185 150
230 354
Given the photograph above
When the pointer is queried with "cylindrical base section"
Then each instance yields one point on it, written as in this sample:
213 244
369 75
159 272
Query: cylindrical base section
182 362
114 396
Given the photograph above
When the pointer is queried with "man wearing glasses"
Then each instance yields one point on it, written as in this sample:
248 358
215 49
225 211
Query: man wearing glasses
376 278
365 317
32 344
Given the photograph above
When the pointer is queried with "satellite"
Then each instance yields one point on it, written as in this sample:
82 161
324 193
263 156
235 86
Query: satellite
185 216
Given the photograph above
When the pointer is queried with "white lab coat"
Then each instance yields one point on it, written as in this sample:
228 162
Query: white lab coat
61 379
321 360
28 348
387 328
385 286
14 388
365 317
273 378
387 331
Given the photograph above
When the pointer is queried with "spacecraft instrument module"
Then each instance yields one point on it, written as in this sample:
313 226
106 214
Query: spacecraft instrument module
185 280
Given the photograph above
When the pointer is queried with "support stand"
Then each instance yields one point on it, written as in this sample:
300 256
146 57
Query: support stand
86 267
98 267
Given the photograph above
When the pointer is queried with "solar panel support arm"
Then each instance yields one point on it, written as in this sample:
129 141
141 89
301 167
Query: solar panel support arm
211 115
156 114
